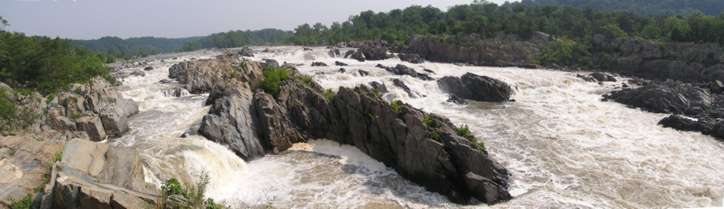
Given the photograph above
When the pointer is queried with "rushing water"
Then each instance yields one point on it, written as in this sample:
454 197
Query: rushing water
564 147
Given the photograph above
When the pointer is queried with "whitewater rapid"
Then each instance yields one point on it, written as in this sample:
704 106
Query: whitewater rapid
564 147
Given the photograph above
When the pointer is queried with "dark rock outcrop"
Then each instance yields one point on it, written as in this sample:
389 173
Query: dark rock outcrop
246 52
230 122
401 84
319 64
404 70
684 123
275 131
149 68
475 87
411 58
693 107
338 63
666 97
598 77
428 153
499 51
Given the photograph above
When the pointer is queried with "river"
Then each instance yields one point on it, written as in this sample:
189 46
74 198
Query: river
564 147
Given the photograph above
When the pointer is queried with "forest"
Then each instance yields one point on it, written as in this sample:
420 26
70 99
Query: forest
127 48
488 20
647 7
115 47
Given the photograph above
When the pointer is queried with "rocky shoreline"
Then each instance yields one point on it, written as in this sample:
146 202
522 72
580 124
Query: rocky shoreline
423 148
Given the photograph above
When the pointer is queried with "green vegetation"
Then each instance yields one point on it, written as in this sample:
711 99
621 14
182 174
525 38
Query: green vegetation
44 64
435 135
13 117
175 196
239 38
564 51
648 7
479 145
115 47
574 28
396 106
134 47
329 94
22 203
273 78
429 121
465 132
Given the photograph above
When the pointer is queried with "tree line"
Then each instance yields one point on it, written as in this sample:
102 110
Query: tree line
488 20
647 7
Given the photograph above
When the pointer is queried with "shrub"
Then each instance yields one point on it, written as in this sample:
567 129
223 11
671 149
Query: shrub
329 94
479 145
396 106
465 132
22 203
435 135
273 78
429 121
8 112
193 195
564 51
13 117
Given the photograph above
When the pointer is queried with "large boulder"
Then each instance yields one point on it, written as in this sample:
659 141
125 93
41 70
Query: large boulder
94 175
273 125
666 97
230 122
684 123
200 76
428 153
475 87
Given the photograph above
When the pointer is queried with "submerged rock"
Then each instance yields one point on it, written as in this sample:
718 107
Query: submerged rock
404 70
319 64
338 63
246 52
475 87
598 77
411 58
400 84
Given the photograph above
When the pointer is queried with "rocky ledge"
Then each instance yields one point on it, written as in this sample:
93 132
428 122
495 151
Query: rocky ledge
475 87
694 108
422 147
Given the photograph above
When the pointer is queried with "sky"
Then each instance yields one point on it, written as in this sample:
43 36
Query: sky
88 19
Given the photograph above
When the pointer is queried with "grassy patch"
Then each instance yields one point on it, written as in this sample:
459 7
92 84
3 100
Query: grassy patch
465 132
429 121
479 145
273 78
329 94
396 106
22 203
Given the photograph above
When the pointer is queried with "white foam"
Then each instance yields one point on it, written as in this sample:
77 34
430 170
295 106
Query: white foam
562 144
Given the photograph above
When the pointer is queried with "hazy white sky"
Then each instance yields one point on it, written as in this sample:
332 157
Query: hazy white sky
84 19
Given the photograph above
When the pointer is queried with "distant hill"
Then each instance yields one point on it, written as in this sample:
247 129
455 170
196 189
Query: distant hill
144 46
646 7
240 38
130 47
